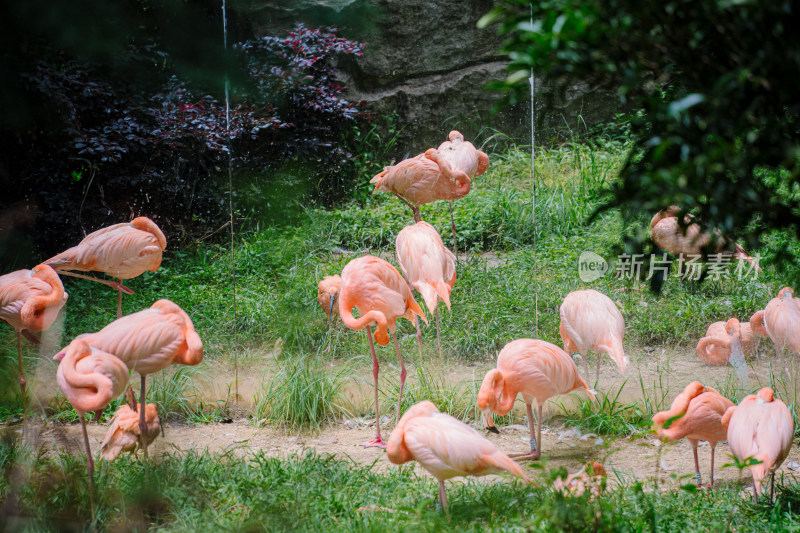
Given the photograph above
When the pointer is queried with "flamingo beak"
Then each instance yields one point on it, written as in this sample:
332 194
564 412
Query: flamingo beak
59 356
488 422
330 311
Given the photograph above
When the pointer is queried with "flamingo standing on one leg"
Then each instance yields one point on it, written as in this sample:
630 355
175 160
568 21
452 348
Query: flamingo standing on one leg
381 296
123 251
536 369
423 179
700 410
428 266
148 341
591 321
462 155
446 447
760 427
327 292
29 302
90 378
780 321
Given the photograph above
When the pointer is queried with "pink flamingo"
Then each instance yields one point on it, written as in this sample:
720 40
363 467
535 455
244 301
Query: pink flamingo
536 369
696 413
715 348
760 427
381 296
421 180
462 155
780 321
591 321
123 251
148 341
327 292
125 434
446 447
90 378
668 234
428 266
29 302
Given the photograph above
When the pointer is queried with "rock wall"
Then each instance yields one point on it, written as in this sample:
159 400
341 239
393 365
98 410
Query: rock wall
427 61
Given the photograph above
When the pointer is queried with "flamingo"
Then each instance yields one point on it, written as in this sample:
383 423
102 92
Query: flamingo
780 321
29 302
760 427
423 179
591 321
589 478
428 266
715 348
668 234
90 378
148 341
536 369
125 435
123 251
446 447
462 155
696 413
381 296
327 292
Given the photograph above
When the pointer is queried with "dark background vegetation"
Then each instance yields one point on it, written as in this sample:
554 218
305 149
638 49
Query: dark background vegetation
115 110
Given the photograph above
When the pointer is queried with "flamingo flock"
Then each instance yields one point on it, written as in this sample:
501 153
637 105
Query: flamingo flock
95 367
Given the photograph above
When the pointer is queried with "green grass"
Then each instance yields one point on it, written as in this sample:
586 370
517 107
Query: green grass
310 492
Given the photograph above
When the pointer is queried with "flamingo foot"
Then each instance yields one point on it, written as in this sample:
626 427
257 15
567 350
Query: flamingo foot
120 287
377 442
530 456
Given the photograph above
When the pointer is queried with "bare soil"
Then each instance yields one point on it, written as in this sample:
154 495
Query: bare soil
657 374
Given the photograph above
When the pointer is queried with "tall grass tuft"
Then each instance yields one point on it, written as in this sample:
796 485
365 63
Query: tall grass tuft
303 394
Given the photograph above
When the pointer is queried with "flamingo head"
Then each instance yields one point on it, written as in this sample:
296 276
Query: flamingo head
488 395
732 326
766 395
455 135
786 293
757 324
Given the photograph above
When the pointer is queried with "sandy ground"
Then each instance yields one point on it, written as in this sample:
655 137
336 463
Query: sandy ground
657 374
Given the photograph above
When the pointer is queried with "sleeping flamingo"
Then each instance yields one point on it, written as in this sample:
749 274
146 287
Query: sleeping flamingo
668 234
591 321
760 427
446 447
780 321
125 434
462 155
29 302
421 180
715 348
148 341
700 410
428 266
123 251
327 292
90 378
381 296
536 369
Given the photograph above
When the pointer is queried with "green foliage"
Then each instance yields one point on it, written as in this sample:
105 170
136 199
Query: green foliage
718 134
304 394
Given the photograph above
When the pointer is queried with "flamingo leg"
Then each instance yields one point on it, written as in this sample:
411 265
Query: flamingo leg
536 436
713 450
402 374
89 460
586 363
442 495
113 284
142 424
438 335
119 300
772 487
597 374
698 479
377 441
22 381
453 227
414 209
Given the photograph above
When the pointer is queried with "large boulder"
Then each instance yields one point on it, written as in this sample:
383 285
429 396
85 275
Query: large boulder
427 62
